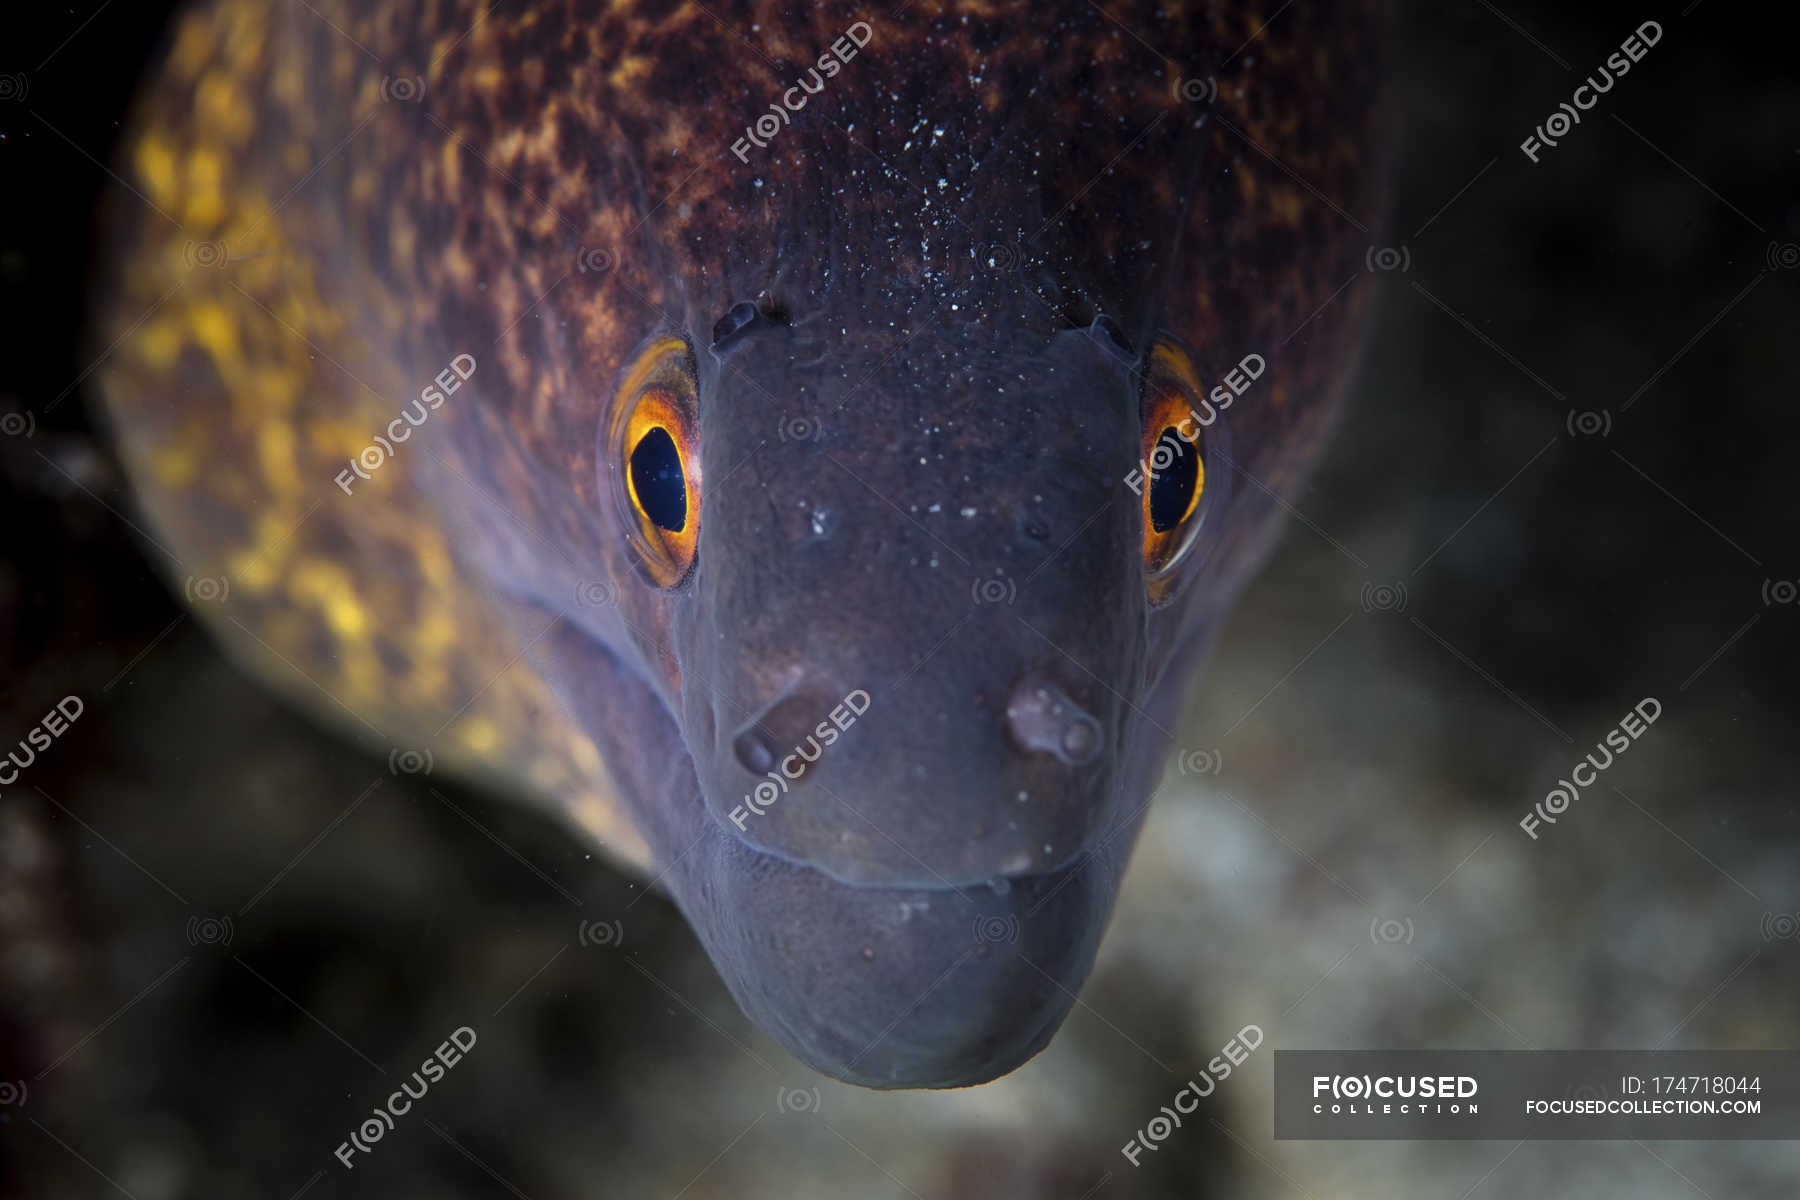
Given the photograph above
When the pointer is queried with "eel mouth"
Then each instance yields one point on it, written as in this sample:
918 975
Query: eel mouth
902 987
930 983
865 857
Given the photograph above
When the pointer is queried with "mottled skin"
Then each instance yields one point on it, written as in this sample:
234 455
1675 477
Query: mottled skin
911 465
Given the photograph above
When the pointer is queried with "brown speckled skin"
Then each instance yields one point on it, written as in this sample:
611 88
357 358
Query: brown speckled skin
335 200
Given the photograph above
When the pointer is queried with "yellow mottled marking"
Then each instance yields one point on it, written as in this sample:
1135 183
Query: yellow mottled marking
452 163
213 328
155 163
159 343
632 70
193 47
324 585
275 455
478 734
222 106
175 465
205 189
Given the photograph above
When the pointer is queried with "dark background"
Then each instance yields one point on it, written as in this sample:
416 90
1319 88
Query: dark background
211 951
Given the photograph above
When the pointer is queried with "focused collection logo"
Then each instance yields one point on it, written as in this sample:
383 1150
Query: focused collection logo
1384 1095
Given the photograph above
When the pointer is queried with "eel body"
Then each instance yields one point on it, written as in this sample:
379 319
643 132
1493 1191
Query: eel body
808 447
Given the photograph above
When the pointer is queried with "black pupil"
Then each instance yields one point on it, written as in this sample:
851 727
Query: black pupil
656 477
1172 487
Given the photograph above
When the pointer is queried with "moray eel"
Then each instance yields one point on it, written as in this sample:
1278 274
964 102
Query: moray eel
807 447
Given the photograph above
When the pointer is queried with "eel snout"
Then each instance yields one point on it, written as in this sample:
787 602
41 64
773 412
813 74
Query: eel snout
906 988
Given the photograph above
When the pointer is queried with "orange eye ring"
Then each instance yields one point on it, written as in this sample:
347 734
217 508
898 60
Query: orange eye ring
1176 422
652 453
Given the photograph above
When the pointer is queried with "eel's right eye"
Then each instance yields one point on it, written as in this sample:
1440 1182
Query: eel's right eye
656 464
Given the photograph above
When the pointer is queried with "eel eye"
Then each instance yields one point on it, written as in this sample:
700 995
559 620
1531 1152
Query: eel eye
1175 490
658 483
653 457
1177 423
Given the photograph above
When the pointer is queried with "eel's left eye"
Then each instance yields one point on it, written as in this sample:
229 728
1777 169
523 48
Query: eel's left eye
656 463
1175 490
1177 421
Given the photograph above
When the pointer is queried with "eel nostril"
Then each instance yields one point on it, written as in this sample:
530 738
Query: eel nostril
1041 716
753 752
785 736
